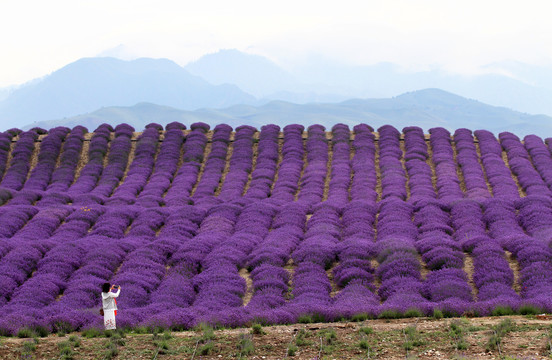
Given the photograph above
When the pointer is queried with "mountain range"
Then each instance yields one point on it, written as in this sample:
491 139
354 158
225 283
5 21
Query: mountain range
425 108
92 83
235 87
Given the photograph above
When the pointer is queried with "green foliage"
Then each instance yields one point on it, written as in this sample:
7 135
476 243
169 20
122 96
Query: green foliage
363 344
257 329
502 311
111 351
457 332
318 318
66 349
118 339
300 338
62 328
75 340
208 333
437 314
25 332
359 317
91 333
41 331
390 314
329 335
206 348
412 338
291 350
305 319
504 327
413 313
366 330
245 344
528 309
140 330
29 346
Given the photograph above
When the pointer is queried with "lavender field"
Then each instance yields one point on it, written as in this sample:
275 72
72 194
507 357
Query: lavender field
234 226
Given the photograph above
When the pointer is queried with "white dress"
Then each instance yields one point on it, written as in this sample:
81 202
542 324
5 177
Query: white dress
110 308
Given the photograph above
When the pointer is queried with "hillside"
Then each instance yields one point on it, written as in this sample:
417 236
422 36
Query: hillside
382 224
424 108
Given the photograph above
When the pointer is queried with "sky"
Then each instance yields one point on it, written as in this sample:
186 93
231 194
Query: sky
39 37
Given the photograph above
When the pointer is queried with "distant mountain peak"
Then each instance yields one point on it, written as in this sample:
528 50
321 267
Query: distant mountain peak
91 83
252 73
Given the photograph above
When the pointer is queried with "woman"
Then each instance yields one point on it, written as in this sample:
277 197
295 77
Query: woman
109 304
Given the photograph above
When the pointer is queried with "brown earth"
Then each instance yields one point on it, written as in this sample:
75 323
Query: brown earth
420 338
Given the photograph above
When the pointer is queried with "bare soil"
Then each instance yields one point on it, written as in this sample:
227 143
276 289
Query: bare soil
420 338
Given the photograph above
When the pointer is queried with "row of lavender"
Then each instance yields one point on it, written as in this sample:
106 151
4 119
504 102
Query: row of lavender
181 265
173 168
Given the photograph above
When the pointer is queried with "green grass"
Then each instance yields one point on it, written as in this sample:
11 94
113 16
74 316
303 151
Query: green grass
437 314
245 345
360 317
390 314
291 350
504 327
91 333
366 330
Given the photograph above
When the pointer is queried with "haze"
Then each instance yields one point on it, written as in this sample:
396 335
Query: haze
458 37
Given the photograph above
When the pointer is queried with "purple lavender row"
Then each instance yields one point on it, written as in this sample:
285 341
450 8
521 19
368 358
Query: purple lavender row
540 157
5 145
535 215
153 288
183 182
263 175
241 164
467 158
63 175
447 283
13 218
317 252
312 181
96 266
117 160
186 263
140 169
215 163
354 275
27 249
492 275
399 268
52 271
498 174
166 165
50 148
143 273
338 193
92 171
448 184
521 166
289 171
267 261
393 177
533 255
363 185
16 175
220 288
419 172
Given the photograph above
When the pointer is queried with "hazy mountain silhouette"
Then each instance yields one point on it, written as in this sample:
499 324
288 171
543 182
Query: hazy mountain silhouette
254 74
91 83
425 108
517 86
